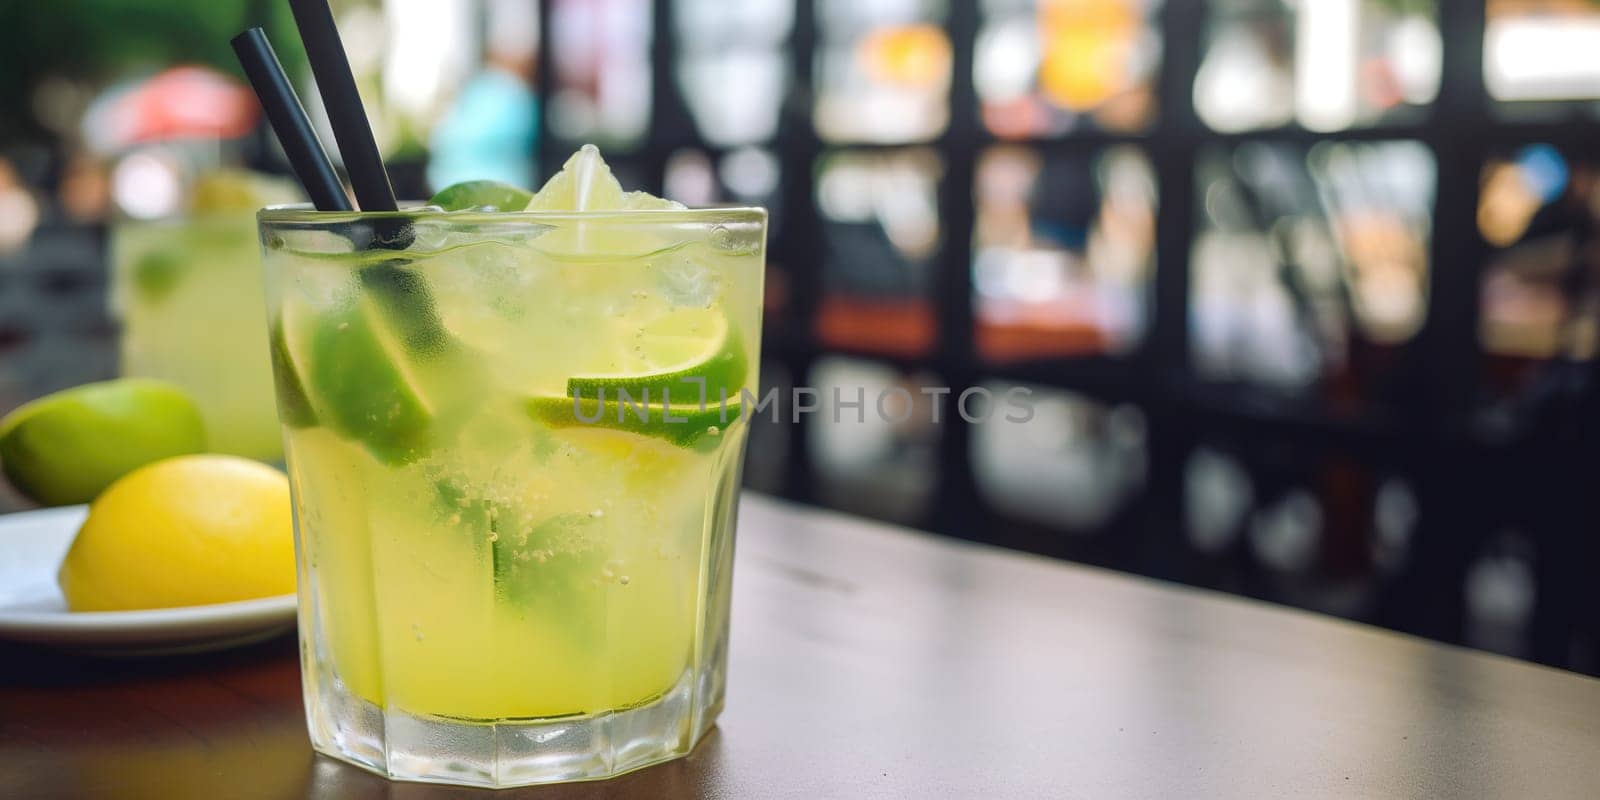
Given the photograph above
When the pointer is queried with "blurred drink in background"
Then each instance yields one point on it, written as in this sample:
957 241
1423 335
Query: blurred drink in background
187 292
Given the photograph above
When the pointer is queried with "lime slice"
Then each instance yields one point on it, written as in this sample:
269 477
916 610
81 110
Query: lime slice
353 372
682 426
482 196
66 447
666 359
676 378
156 274
294 409
586 184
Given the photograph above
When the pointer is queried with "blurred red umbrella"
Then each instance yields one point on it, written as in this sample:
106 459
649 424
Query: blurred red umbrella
187 102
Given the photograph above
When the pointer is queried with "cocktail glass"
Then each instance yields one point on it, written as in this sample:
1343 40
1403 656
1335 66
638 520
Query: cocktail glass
187 292
508 574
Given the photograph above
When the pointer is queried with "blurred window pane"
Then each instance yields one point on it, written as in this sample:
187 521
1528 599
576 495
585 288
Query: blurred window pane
747 176
882 70
880 240
1045 67
732 67
1540 297
602 71
1073 463
883 465
1309 263
1541 49
1326 64
1063 250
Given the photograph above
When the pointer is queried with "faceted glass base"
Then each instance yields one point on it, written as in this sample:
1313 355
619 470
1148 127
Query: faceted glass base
508 752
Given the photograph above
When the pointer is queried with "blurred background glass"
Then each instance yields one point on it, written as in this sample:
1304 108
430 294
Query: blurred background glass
1303 291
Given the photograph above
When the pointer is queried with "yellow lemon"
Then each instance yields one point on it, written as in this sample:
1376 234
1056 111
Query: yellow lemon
185 531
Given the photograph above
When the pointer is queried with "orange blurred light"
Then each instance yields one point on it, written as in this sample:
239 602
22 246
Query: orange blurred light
903 327
1087 47
910 55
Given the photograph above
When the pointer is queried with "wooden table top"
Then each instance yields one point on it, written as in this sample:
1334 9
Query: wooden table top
869 661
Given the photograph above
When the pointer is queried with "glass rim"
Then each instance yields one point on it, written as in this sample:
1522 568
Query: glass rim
183 218
303 213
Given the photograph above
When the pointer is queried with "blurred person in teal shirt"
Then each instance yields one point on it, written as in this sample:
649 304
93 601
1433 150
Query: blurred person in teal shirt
489 132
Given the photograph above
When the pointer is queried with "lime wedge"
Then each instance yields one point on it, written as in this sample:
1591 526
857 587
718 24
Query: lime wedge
482 196
585 183
543 568
408 305
353 373
666 359
557 588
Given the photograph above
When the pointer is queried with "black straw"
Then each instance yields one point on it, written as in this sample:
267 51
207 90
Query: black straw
288 118
348 117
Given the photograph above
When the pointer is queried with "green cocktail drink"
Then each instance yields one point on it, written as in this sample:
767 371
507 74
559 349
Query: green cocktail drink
187 292
502 584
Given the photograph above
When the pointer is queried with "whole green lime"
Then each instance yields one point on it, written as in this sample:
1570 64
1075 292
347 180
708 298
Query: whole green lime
66 447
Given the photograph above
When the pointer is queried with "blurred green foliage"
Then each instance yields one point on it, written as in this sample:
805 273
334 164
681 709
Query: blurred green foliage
97 42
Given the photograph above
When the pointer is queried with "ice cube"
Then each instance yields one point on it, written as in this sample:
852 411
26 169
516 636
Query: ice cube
740 241
686 283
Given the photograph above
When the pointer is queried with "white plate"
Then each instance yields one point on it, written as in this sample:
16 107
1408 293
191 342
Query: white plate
32 544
